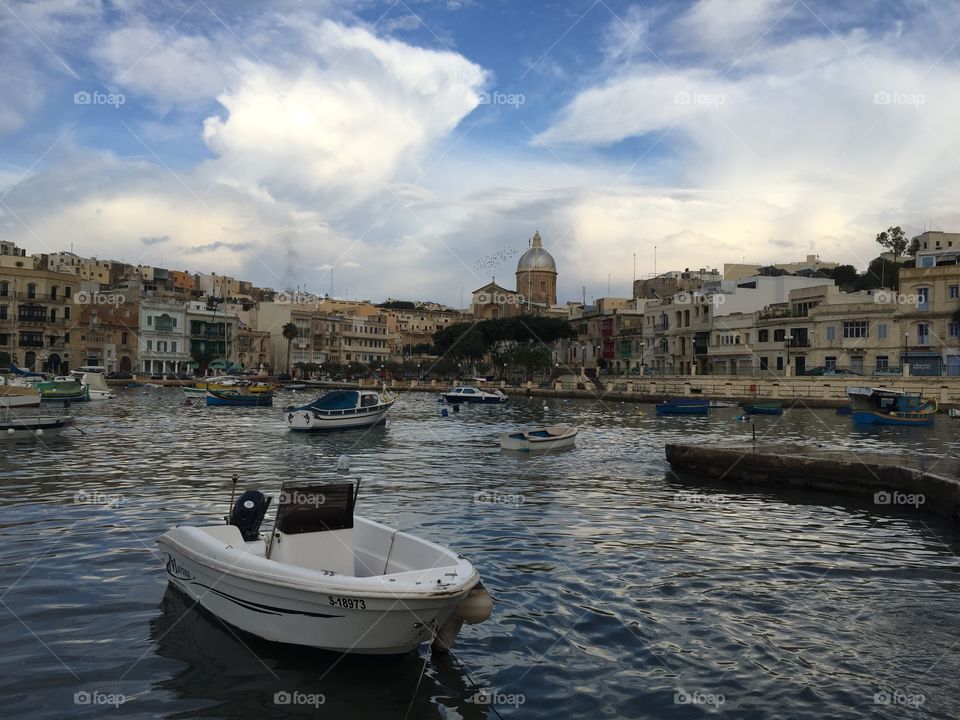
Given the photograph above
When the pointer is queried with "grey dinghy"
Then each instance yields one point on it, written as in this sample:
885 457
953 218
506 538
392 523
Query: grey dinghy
325 578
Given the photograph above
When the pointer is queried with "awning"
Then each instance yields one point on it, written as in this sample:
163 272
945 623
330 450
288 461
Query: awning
218 365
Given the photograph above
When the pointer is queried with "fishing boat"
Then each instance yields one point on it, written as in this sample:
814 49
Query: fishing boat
340 410
683 406
95 384
239 398
194 392
297 386
880 406
60 389
764 408
722 404
25 427
553 437
323 577
14 396
471 394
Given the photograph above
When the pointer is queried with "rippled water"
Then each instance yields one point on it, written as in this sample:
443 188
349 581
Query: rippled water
620 590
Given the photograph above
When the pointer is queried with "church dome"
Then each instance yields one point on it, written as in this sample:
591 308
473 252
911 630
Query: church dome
536 258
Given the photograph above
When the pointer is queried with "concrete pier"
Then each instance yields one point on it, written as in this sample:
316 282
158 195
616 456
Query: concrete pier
891 482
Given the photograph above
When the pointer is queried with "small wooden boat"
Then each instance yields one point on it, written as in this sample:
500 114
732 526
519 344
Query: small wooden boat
294 386
14 396
471 394
239 398
61 389
340 410
684 406
764 408
194 392
325 578
722 404
879 406
553 437
24 427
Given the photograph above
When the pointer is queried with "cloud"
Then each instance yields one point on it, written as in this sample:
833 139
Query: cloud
155 240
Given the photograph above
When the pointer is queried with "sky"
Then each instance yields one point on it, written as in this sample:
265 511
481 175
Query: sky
410 149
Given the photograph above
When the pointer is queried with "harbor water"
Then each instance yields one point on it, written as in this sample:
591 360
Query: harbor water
620 590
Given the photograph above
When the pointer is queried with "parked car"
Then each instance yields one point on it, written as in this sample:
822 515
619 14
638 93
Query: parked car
120 376
829 371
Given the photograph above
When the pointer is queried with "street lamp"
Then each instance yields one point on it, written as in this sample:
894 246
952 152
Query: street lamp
418 374
787 340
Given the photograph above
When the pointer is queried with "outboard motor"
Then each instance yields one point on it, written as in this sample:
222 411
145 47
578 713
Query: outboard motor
248 513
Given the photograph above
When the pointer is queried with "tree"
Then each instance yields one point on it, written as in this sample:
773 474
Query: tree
203 354
893 240
844 275
290 332
914 247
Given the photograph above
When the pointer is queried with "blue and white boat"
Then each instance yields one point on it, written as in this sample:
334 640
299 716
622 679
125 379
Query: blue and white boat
879 406
684 406
471 394
239 398
340 410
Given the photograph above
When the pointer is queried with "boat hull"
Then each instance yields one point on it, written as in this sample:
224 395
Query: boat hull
256 400
33 428
871 417
318 609
467 400
313 421
20 401
529 441
683 409
763 409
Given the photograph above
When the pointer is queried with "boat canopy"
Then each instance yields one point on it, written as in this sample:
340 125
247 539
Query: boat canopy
879 392
314 508
335 400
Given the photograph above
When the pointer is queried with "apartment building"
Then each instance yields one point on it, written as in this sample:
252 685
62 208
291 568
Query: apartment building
212 334
108 329
929 319
162 344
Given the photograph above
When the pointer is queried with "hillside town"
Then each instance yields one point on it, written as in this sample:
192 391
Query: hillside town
60 310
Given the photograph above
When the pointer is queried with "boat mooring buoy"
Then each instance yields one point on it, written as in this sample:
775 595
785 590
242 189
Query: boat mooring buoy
444 413
343 462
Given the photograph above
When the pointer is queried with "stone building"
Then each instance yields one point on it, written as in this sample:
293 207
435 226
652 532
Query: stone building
536 292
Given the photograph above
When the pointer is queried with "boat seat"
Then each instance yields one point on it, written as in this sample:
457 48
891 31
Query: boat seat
324 550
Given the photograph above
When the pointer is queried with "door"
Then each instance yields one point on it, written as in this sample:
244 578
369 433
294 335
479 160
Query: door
953 365
800 365
856 364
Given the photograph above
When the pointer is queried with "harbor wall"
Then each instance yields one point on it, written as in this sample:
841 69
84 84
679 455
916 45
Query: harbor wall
881 481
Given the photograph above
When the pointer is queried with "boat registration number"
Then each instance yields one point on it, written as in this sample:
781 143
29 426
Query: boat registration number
347 603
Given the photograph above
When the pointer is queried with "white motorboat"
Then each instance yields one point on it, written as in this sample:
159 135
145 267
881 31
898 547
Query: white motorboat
195 392
26 427
324 578
340 410
553 437
97 388
14 396
954 412
471 394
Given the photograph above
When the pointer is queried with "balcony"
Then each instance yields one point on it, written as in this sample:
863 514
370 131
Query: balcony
31 343
661 326
798 343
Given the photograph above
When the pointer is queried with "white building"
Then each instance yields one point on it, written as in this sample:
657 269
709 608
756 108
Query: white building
163 346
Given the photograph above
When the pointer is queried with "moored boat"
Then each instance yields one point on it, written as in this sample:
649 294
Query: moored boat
683 406
14 396
239 398
194 392
325 578
954 412
61 389
763 408
95 384
25 427
552 437
471 394
880 406
340 410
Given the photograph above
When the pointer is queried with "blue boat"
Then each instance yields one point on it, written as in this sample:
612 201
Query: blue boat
879 406
767 408
684 406
238 398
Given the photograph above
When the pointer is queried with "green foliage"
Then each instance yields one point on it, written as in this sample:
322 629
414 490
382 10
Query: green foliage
893 240
398 305
473 341
844 275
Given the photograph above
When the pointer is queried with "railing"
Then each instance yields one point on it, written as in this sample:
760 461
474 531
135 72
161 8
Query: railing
661 326
31 343
798 342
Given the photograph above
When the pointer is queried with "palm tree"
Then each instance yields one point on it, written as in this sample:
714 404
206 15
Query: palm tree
290 332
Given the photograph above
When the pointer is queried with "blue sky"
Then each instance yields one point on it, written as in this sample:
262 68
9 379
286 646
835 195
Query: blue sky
414 147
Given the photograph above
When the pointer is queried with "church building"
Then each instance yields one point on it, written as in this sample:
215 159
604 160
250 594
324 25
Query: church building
536 290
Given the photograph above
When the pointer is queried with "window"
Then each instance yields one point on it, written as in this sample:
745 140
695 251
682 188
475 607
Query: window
763 335
923 296
881 331
3 312
764 364
779 335
67 291
856 329
31 290
953 329
66 313
123 339
149 344
830 362
923 334
953 291
883 362
173 347
53 314
4 288
53 293
831 332
149 320
779 363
